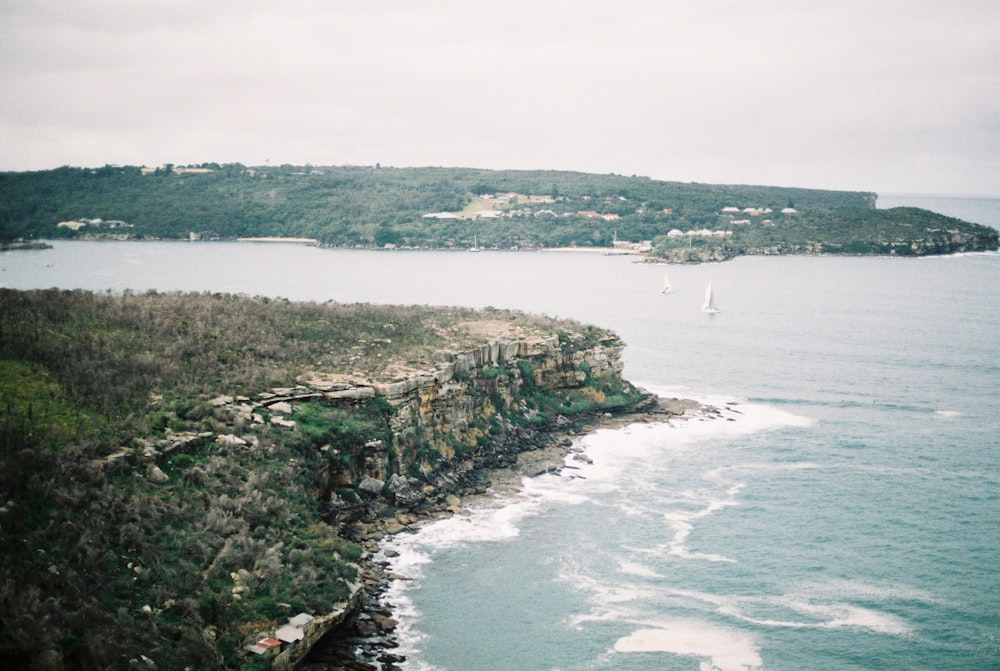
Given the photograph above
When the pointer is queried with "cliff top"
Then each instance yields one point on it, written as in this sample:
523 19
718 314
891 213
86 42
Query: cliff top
107 356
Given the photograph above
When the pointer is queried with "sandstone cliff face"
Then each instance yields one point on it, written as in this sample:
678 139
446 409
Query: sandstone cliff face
477 410
448 418
440 429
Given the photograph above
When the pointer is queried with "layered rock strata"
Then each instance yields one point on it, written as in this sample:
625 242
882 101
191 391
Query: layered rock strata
448 426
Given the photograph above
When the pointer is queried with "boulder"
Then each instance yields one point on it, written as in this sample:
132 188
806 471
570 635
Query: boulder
371 486
155 475
229 440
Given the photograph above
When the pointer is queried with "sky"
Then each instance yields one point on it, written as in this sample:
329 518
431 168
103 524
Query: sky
892 96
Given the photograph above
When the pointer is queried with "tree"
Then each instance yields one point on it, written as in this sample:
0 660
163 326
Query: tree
385 235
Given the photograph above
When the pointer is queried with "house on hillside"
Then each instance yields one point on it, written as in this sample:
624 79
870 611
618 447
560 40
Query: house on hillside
265 646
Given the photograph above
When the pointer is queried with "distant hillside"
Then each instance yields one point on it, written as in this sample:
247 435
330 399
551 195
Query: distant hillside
449 207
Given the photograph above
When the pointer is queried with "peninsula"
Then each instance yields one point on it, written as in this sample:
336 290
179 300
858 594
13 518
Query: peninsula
460 208
197 480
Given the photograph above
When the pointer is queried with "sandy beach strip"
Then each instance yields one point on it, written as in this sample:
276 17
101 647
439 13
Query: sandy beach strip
607 251
278 239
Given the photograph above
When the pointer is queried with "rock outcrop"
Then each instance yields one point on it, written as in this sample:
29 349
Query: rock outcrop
447 425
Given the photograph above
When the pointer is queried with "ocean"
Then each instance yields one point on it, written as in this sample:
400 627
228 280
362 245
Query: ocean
842 514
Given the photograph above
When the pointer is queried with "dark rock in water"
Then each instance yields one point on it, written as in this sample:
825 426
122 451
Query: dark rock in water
384 622
360 666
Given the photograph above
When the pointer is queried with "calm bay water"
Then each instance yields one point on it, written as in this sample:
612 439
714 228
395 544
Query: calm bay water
848 517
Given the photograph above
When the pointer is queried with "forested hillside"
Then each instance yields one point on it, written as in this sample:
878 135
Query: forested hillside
375 206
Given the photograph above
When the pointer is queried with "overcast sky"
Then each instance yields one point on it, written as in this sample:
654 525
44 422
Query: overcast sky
884 95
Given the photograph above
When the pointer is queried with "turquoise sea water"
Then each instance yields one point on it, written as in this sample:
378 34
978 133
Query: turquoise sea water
844 514
847 518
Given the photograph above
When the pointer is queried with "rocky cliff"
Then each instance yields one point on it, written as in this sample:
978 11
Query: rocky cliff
475 410
445 426
254 525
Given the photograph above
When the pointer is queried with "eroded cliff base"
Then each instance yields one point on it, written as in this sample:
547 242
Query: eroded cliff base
367 640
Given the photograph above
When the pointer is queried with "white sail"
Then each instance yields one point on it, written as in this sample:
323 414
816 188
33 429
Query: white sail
667 287
709 304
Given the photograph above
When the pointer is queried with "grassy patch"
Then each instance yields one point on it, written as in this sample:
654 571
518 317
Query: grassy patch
34 408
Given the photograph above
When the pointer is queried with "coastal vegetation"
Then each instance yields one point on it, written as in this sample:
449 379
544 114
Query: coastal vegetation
146 520
900 231
375 206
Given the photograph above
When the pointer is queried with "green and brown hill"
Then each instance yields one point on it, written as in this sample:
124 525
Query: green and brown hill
181 474
457 207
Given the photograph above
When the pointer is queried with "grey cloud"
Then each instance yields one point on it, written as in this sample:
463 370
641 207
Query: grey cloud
852 94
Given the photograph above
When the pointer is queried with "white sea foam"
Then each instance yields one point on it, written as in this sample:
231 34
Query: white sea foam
860 589
682 526
725 473
865 618
818 607
634 568
947 414
720 648
407 554
604 592
804 613
834 615
612 451
617 458
553 489
496 522
406 561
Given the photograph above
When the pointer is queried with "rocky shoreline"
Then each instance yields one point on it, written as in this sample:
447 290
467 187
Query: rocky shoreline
367 641
23 244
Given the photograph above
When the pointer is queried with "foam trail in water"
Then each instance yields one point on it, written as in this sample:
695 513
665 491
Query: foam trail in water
722 649
629 567
819 609
947 414
825 616
615 457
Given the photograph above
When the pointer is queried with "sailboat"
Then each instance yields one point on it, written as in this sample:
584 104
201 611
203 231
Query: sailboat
667 288
475 244
709 304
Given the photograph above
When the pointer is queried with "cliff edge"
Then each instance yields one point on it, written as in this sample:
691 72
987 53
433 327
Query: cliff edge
197 480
